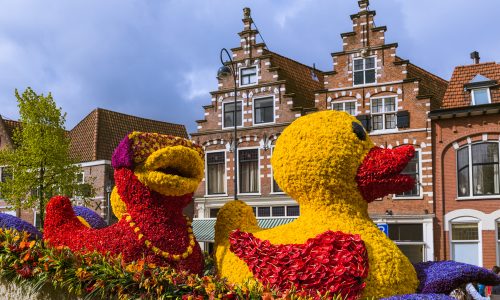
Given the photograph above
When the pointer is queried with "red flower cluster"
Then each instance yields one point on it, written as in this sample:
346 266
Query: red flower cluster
379 176
332 262
159 218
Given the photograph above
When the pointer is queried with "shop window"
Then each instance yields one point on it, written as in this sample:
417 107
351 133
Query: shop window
412 169
483 176
465 243
228 109
249 170
349 107
248 76
364 71
410 240
214 212
263 110
216 166
278 211
293 211
383 113
263 211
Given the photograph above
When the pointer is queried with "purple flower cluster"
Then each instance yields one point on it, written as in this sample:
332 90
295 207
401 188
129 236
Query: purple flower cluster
420 297
90 216
444 276
123 156
11 222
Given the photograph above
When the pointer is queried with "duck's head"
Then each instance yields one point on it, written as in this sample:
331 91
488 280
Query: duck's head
328 157
168 165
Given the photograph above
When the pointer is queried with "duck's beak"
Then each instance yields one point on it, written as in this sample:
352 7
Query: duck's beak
379 176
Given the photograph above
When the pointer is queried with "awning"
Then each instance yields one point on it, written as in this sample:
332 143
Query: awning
204 228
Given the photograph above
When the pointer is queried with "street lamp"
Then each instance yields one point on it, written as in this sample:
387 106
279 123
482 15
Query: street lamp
108 188
224 71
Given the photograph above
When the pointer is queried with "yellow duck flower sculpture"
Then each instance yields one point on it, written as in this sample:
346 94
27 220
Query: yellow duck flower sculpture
329 165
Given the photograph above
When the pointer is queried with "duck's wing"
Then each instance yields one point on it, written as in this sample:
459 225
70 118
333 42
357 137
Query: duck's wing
442 277
332 262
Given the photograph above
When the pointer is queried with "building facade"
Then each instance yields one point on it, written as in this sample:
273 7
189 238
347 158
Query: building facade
466 161
389 95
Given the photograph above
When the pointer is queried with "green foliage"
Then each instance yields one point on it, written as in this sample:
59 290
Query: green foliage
39 164
96 276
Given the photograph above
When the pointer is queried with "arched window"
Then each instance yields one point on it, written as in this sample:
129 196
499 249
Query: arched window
465 241
478 169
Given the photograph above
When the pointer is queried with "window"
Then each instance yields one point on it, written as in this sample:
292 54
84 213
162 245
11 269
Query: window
248 170
80 177
263 110
5 173
483 175
410 240
229 114
349 107
480 96
248 76
383 112
293 211
465 243
264 211
498 242
276 211
214 212
216 183
413 170
364 70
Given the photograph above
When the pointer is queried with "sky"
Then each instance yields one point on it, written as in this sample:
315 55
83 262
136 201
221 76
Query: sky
158 59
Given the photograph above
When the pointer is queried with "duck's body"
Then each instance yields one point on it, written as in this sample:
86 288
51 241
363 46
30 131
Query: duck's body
319 160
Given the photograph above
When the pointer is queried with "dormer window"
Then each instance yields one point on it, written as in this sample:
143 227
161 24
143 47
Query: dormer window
364 70
480 96
248 76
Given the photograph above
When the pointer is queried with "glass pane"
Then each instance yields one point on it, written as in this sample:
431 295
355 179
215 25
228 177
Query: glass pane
463 157
484 153
338 106
358 64
276 187
214 212
378 122
389 104
215 178
485 179
370 76
278 211
248 171
263 110
215 158
248 71
229 114
411 169
248 76
370 63
464 232
293 211
415 253
481 96
390 121
350 107
498 231
406 232
466 253
377 106
358 77
463 182
264 211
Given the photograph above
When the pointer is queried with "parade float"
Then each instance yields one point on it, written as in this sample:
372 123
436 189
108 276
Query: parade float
325 161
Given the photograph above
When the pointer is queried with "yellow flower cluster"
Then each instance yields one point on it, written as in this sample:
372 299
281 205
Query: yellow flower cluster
185 161
315 162
158 251
83 221
119 207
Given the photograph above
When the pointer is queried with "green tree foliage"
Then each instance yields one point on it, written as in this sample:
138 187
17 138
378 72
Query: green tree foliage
39 165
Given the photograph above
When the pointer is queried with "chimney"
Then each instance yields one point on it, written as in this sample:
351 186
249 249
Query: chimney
475 57
363 5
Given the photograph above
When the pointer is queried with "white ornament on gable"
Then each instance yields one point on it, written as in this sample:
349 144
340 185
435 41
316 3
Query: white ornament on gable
244 96
247 62
400 91
358 96
250 95
256 62
329 99
221 98
276 91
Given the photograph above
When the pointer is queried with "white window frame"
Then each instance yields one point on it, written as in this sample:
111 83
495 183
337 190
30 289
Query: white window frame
343 102
253 110
258 168
473 95
272 178
83 178
364 70
271 211
479 241
471 193
395 129
225 174
256 75
420 187
242 114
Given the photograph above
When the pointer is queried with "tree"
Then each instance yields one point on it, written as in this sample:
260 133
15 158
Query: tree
39 164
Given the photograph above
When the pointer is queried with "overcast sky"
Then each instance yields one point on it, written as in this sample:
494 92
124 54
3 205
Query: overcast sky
158 59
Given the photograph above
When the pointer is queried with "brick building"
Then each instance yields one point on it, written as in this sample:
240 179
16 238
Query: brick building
389 95
466 163
92 142
272 91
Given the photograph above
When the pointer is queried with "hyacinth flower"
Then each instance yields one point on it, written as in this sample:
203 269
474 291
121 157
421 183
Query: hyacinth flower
11 222
91 217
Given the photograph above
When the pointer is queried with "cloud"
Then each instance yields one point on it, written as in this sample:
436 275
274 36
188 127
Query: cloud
292 9
196 84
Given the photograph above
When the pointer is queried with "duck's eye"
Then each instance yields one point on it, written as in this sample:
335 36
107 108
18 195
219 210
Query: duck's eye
359 131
